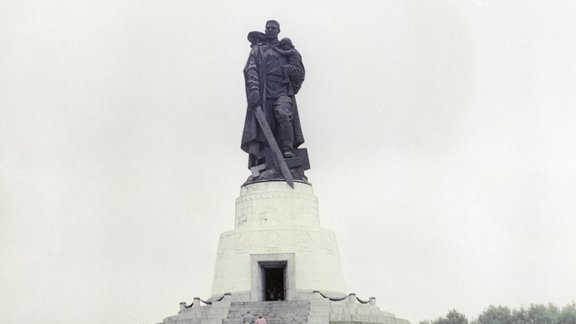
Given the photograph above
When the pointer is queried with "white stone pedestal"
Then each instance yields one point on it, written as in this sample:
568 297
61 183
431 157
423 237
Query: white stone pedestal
277 226
277 233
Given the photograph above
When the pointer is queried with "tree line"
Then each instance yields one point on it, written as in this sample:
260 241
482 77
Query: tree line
535 314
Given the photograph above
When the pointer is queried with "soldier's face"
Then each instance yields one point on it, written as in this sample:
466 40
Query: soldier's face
272 30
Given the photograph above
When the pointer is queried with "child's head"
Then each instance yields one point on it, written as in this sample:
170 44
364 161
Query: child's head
286 44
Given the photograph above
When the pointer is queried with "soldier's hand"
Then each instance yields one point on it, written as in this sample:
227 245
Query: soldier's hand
291 68
254 97
294 72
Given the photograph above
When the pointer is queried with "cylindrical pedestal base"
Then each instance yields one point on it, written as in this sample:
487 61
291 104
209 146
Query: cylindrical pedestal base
277 249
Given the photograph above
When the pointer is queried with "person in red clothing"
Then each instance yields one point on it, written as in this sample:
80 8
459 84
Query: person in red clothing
260 319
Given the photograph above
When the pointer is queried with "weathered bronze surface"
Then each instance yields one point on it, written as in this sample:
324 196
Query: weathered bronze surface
273 76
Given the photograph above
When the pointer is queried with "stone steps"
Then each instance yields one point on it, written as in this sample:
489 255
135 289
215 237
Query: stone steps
275 312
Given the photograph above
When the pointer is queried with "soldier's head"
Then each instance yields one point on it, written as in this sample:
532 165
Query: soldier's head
272 29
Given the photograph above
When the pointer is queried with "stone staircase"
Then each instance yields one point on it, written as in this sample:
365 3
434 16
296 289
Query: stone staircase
275 312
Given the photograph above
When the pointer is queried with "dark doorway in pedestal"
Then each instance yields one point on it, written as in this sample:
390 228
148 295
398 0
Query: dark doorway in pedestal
274 281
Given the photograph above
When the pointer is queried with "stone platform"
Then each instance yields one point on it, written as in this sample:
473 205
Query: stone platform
316 310
280 262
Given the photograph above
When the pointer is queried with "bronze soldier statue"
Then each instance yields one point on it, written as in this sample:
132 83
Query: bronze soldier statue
273 76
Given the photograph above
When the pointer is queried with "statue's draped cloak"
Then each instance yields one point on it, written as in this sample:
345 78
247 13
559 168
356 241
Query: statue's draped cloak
253 140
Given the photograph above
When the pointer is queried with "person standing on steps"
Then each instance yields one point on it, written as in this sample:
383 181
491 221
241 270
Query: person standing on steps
260 319
248 318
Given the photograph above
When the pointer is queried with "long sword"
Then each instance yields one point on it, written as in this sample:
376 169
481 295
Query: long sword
276 153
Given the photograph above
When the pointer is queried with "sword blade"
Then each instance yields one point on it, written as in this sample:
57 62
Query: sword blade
273 146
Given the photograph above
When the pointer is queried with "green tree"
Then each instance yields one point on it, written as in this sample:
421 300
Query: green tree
568 314
495 315
536 314
453 317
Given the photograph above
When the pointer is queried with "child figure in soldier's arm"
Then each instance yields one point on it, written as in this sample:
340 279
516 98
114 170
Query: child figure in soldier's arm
286 48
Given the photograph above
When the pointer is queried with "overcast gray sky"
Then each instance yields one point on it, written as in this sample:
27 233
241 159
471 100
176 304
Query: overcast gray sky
442 138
